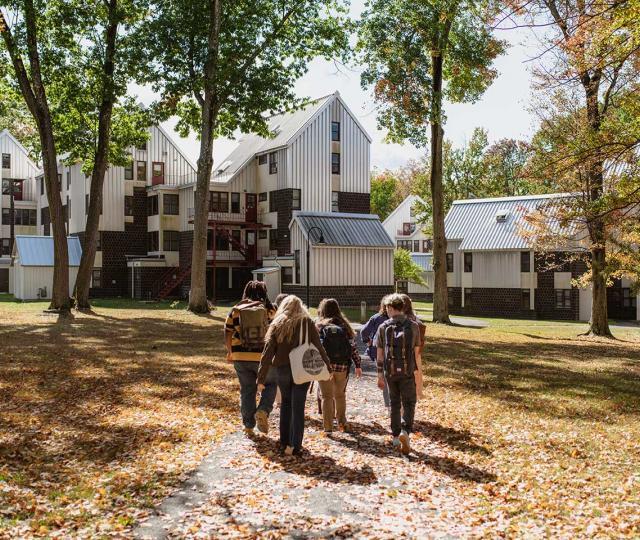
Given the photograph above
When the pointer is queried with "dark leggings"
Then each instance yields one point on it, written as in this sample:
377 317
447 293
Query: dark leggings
294 397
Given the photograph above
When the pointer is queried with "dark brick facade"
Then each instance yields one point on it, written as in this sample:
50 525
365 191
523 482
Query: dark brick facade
545 302
492 302
347 296
144 278
284 206
422 297
185 253
354 203
615 304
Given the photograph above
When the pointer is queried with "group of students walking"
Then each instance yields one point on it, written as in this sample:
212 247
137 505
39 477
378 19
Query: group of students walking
278 349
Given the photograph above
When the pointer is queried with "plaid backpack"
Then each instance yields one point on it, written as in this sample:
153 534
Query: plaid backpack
399 354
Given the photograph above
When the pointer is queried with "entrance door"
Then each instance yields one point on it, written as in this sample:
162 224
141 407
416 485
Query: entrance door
251 207
157 173
251 245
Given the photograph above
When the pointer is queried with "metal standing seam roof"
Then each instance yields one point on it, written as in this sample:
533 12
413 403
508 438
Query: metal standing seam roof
423 260
38 250
285 125
344 230
474 221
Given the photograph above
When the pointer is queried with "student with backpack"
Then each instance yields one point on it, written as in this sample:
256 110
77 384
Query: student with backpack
291 331
338 339
408 311
398 343
245 330
368 334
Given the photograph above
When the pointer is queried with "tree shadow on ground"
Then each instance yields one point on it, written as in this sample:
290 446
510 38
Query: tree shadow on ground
323 468
554 379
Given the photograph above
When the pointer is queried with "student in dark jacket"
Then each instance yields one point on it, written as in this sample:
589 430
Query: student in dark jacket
368 334
292 319
410 313
339 342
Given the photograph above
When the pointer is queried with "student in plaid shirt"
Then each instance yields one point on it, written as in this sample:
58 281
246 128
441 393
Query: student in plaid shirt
338 339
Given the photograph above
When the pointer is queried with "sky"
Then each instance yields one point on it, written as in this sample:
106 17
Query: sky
503 110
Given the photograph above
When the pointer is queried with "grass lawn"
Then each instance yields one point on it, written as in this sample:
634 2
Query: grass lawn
103 413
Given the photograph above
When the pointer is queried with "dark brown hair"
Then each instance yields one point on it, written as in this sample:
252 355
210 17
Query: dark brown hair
329 313
257 290
408 306
382 309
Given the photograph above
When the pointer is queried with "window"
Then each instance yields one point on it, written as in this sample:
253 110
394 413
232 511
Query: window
152 205
69 179
6 246
262 234
405 244
262 159
450 262
42 186
170 241
402 286
6 217
157 173
128 171
296 196
416 246
99 242
273 163
143 147
427 246
563 298
141 172
273 239
335 198
287 274
219 201
170 204
468 298
96 278
6 161
128 205
628 300
153 241
335 163
272 202
236 237
235 203
450 298
263 197
468 262
525 261
526 299
21 216
45 219
222 242
335 131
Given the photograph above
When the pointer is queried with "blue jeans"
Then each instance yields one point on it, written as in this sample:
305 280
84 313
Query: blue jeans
248 375
294 397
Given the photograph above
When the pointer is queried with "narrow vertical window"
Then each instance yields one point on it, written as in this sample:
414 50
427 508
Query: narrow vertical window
335 131
335 163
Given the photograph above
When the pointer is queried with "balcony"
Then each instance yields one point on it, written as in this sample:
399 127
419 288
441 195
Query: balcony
225 217
406 231
232 255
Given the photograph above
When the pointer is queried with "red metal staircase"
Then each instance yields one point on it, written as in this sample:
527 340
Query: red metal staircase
167 283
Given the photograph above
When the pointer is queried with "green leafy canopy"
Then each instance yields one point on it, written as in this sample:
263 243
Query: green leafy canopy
404 268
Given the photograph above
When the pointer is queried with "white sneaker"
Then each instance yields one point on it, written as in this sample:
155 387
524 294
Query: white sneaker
404 441
396 444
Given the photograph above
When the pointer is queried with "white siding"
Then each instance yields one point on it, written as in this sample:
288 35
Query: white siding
160 148
498 269
338 266
309 163
354 151
26 280
401 215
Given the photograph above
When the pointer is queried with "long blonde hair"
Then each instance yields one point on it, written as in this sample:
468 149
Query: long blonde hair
291 312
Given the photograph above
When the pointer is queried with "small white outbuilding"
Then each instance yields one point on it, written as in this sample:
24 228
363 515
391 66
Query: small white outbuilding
31 273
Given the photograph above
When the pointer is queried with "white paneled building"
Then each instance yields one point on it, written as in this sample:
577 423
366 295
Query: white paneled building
17 172
403 227
493 270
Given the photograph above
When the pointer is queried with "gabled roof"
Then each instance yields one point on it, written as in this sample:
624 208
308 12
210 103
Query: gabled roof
493 224
7 133
38 250
406 204
345 230
285 126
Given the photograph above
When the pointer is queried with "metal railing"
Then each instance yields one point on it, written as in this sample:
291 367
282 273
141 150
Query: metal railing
240 217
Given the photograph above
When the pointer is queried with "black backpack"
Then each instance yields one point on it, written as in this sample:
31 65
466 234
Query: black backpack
399 354
336 342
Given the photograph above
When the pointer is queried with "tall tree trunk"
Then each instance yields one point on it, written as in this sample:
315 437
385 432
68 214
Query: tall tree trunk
34 94
83 281
599 323
198 295
440 297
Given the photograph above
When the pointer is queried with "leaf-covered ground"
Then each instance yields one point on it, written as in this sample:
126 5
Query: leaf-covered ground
526 431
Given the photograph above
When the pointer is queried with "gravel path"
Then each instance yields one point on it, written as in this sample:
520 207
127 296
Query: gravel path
351 484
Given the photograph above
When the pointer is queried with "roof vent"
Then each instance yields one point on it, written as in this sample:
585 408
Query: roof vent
501 216
276 130
225 165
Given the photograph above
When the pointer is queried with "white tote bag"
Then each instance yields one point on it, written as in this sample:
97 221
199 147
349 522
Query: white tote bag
306 362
